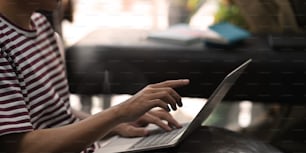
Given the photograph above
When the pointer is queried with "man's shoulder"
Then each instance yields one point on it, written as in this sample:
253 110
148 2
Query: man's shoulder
41 23
39 17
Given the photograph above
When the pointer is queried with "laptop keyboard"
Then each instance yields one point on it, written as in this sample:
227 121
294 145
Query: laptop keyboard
158 138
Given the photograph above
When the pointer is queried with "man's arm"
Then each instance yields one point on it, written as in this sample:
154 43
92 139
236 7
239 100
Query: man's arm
70 138
77 136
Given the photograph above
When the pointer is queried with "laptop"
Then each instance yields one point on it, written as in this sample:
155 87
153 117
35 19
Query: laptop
159 138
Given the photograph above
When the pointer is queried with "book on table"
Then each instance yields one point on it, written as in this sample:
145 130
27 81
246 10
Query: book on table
226 34
181 34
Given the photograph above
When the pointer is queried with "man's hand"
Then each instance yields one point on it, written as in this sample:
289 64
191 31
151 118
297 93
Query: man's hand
161 118
155 95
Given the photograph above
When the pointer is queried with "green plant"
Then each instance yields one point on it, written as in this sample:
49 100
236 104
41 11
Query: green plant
229 12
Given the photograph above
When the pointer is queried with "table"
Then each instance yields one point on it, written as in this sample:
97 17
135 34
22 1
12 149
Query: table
218 140
122 61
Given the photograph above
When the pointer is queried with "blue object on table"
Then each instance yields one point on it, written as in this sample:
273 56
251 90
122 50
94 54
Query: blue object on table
228 33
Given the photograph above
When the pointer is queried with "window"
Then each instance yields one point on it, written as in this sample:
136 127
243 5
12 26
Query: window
141 14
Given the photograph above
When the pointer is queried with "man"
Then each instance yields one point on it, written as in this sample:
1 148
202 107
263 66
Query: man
35 115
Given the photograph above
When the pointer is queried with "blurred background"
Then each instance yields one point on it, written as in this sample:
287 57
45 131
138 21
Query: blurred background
89 15
76 18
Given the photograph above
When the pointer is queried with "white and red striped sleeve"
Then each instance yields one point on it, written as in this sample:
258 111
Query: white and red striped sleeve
14 115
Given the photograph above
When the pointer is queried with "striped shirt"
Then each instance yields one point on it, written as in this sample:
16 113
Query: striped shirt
33 86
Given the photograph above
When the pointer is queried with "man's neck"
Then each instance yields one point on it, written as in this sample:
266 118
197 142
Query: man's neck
16 12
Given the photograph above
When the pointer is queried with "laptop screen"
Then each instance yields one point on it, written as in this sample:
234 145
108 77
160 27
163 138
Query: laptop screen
216 97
